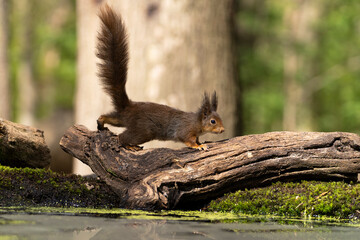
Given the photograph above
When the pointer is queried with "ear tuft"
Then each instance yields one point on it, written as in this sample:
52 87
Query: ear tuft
205 108
214 102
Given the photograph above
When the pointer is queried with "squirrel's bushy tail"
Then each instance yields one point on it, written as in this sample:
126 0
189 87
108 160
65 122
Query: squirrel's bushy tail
112 49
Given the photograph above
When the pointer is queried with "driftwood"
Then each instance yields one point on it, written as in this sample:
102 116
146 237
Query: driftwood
165 178
22 146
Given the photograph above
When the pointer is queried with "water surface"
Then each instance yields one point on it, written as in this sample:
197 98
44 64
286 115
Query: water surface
46 226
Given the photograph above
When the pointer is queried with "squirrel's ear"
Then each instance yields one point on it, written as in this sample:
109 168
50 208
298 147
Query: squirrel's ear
205 108
214 102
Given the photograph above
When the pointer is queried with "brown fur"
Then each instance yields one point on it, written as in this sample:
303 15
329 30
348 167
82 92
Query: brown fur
112 49
145 121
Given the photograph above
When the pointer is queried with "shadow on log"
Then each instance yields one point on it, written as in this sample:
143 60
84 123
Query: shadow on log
166 178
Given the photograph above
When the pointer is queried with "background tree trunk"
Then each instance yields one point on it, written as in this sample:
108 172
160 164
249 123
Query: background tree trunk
24 75
299 18
4 72
178 50
90 99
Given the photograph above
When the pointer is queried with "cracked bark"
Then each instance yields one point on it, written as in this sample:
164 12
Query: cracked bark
165 178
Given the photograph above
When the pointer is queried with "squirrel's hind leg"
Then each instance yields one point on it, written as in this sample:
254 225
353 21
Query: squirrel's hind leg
131 139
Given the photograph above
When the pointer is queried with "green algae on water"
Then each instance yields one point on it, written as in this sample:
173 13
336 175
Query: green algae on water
170 215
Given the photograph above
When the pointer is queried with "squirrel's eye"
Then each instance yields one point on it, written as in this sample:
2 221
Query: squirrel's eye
212 121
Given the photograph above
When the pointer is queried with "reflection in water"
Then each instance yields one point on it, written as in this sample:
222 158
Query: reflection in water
22 226
86 233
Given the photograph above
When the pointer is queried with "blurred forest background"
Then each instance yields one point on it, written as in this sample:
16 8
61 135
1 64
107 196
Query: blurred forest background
297 65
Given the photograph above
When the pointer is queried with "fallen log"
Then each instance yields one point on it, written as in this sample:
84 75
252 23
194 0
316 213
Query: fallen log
165 178
22 146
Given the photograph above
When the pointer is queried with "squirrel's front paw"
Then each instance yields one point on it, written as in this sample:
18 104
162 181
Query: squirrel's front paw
195 145
202 147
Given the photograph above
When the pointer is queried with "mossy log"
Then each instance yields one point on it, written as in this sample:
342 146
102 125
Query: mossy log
166 178
22 146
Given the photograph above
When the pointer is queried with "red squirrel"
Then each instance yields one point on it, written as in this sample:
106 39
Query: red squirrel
145 121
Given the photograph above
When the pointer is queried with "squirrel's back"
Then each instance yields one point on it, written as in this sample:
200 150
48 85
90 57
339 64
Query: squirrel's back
160 121
112 50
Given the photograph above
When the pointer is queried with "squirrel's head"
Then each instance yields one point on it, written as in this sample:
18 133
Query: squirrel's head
210 120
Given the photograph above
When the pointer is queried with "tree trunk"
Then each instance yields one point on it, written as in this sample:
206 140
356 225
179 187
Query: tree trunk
24 72
89 96
4 73
178 49
299 21
167 178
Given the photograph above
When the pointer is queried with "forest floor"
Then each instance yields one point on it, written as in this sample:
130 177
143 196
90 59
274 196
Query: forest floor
27 188
39 187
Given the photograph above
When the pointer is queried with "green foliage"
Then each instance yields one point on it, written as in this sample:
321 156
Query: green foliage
338 101
305 199
260 65
329 70
43 37
55 58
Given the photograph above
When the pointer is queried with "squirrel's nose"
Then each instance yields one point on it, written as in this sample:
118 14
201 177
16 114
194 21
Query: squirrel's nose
222 130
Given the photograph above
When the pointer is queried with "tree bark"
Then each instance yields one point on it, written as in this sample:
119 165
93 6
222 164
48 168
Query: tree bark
166 178
22 146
